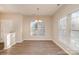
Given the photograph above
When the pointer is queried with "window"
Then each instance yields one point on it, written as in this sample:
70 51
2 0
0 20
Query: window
69 31
37 28
62 29
75 30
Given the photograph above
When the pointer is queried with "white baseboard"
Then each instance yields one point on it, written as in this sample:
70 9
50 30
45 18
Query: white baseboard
37 39
63 47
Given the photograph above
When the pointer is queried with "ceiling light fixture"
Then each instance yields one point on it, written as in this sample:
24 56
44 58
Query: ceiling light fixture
37 16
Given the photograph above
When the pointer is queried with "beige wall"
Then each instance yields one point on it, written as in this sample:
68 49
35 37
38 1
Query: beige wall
11 23
20 25
63 11
26 28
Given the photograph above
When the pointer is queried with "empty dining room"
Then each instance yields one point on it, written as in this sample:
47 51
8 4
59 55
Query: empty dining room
39 29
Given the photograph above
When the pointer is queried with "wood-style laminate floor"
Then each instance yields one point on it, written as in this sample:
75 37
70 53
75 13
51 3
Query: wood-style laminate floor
34 48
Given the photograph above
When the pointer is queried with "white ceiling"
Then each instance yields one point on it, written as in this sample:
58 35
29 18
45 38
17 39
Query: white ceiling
30 9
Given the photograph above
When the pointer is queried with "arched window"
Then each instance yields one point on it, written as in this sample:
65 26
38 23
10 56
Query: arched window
37 28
